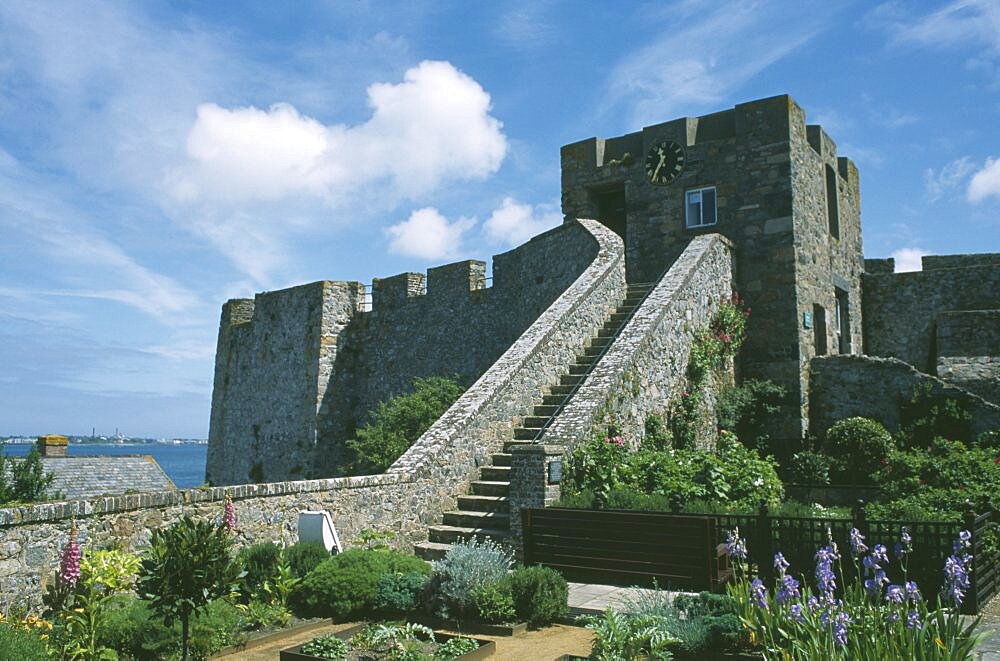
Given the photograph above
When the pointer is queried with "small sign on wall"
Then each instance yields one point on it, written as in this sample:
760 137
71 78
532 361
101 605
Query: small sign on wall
807 320
555 471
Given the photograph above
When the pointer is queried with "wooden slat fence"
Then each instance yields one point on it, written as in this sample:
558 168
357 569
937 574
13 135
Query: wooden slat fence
632 548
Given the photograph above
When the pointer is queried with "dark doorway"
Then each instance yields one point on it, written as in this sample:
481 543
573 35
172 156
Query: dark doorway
611 209
843 321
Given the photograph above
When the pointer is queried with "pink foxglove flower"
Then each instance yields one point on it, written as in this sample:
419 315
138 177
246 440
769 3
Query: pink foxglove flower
229 515
69 564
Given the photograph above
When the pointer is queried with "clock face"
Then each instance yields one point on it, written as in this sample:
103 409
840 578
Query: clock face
664 162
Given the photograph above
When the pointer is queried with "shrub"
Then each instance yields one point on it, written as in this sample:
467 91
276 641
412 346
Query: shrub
468 565
746 408
345 584
399 593
24 480
926 417
540 595
495 602
657 433
20 643
187 566
303 557
396 424
856 447
809 467
988 440
327 646
260 562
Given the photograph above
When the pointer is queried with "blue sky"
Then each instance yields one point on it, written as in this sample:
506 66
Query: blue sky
158 158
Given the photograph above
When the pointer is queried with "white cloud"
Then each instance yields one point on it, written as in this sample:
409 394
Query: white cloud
708 52
433 127
985 182
428 235
948 178
960 23
908 259
514 223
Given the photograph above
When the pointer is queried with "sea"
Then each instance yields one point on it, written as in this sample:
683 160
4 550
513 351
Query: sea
183 463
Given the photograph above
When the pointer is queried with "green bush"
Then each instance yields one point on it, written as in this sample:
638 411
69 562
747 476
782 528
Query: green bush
18 643
988 440
495 602
856 447
303 557
327 646
23 480
136 632
746 408
657 433
926 417
467 566
540 595
260 562
399 593
809 467
345 584
396 424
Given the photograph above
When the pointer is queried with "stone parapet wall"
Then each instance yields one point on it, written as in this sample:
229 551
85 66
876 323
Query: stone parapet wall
32 536
454 448
848 386
968 351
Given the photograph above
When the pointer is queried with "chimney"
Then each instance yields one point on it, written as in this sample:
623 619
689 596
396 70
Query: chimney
52 445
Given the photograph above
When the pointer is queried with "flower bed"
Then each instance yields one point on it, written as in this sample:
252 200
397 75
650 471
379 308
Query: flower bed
379 641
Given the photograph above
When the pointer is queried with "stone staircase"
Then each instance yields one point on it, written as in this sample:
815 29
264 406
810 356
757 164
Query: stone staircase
484 513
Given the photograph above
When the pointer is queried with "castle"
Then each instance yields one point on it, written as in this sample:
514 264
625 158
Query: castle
751 198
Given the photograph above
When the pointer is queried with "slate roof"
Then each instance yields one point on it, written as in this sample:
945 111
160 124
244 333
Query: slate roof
85 477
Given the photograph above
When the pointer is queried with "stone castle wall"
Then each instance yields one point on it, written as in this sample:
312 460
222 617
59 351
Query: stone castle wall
298 369
902 311
968 351
412 495
847 386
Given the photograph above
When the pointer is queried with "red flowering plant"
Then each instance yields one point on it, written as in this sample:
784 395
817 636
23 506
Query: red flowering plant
721 340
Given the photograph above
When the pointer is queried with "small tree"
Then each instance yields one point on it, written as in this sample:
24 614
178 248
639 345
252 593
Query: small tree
24 481
188 565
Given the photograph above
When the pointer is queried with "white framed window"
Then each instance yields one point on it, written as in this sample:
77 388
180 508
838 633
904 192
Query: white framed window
699 207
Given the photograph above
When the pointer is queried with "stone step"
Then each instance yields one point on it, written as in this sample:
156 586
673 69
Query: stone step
544 410
580 369
570 379
477 519
495 473
490 488
535 421
554 400
431 550
593 351
601 341
525 434
560 390
500 459
451 534
618 317
507 445
483 503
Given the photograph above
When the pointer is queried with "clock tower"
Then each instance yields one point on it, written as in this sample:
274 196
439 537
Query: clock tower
773 185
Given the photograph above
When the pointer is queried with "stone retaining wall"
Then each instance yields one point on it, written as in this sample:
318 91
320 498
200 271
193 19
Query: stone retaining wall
848 386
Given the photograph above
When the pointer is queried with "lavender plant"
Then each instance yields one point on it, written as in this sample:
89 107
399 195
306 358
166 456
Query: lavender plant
863 616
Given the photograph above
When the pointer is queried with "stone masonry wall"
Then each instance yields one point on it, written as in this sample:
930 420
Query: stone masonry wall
901 309
646 366
847 386
409 497
298 369
968 351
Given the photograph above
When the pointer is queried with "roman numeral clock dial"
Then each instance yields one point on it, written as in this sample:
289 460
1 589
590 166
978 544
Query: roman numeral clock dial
664 162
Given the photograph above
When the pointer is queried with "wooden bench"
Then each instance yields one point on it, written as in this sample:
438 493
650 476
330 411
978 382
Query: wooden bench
627 548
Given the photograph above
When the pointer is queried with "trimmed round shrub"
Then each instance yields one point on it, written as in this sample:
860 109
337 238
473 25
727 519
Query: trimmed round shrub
809 467
468 565
18 643
345 584
303 557
399 593
495 602
540 595
857 447
260 562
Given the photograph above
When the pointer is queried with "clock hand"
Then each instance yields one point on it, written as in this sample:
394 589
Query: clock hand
656 172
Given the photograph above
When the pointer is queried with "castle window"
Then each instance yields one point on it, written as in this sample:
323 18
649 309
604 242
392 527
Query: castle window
832 212
700 207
